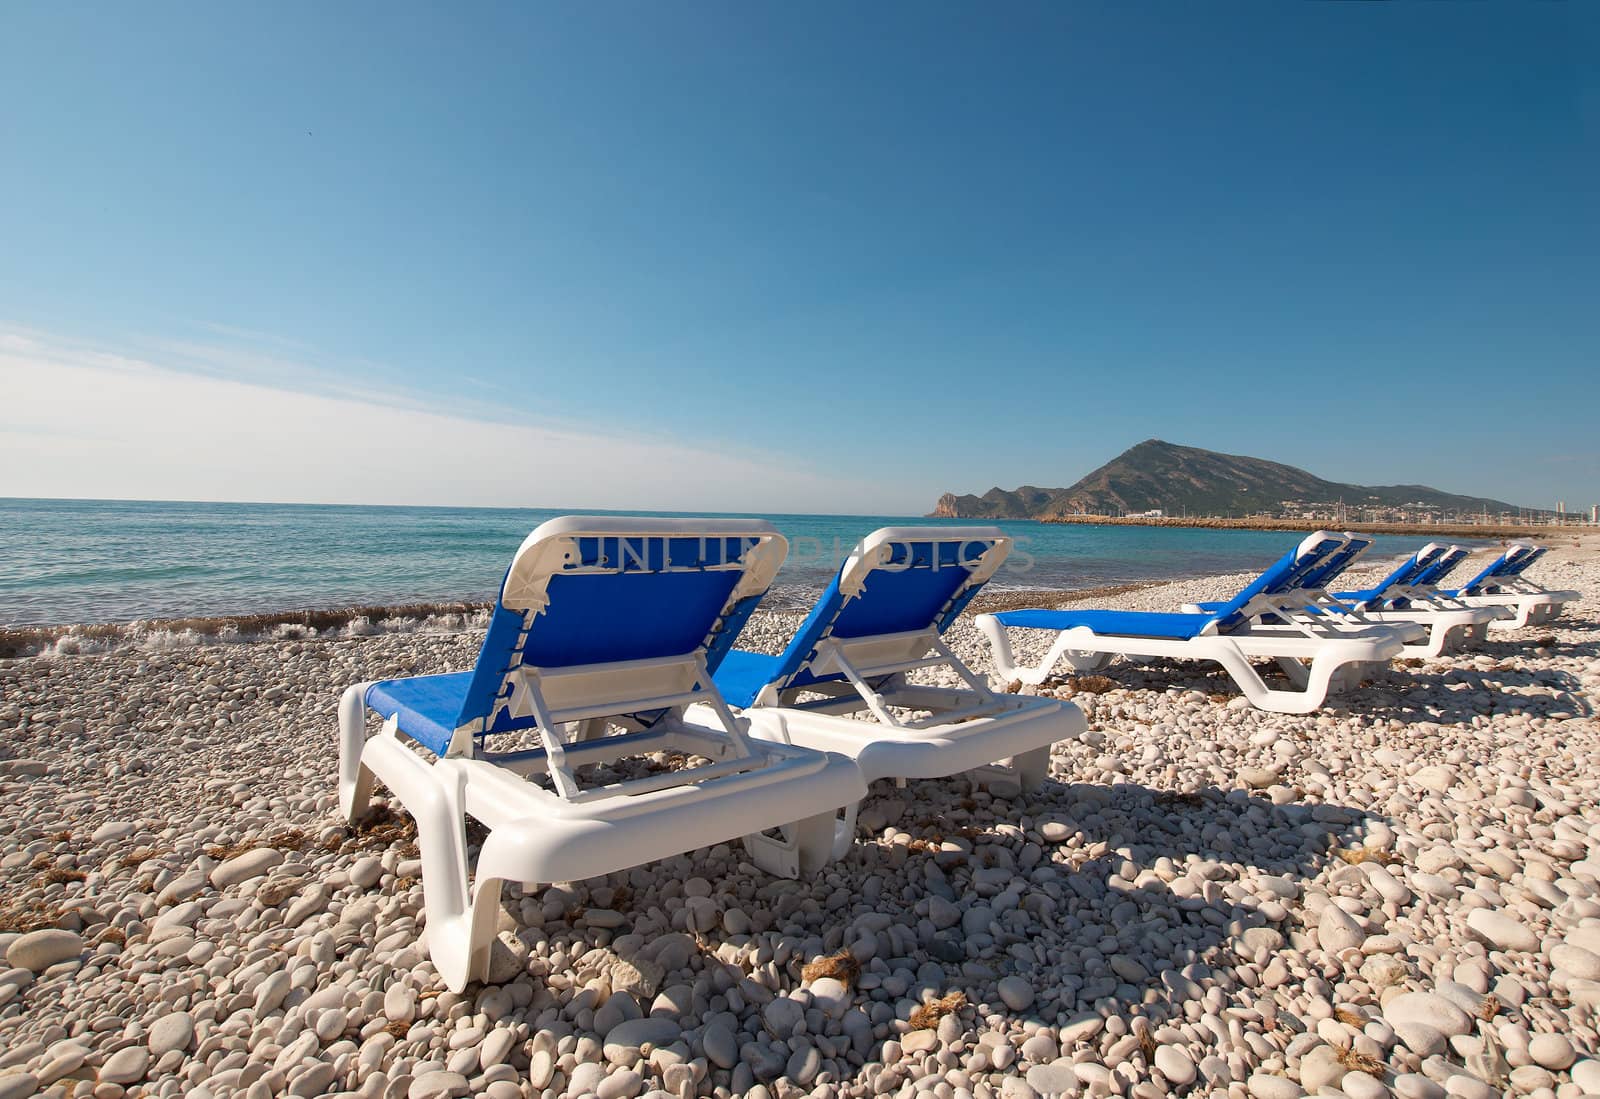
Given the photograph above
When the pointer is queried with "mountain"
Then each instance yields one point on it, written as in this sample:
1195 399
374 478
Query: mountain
1186 480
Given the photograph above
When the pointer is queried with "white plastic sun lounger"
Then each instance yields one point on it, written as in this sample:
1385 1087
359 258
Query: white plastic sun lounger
599 642
1089 639
841 684
1502 584
1403 600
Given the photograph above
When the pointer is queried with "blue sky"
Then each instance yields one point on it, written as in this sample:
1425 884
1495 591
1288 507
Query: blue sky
792 257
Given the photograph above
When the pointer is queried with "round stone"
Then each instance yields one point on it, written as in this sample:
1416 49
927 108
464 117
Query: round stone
241 868
830 996
438 1085
1175 1064
1056 1078
1080 1028
1501 931
1575 961
782 1017
1016 993
366 872
624 1042
1414 1085
721 1046
37 951
1338 930
1321 1067
1263 1085
1553 1051
1358 1085
1429 1010
174 1030
125 1066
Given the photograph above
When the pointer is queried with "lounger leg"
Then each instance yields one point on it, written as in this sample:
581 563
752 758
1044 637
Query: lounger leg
1005 664
1293 670
1434 645
844 829
355 777
461 920
802 848
1304 701
1085 662
1033 768
815 838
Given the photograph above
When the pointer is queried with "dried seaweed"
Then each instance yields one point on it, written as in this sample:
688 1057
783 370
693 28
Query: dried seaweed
1356 855
1358 1062
927 1015
1089 685
841 966
27 916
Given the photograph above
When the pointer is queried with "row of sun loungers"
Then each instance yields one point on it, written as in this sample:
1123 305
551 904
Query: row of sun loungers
609 720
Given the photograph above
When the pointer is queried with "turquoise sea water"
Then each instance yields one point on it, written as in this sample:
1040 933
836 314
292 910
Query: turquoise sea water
65 561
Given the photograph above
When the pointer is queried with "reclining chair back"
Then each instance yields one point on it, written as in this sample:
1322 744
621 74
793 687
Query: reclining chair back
624 615
1512 563
1289 573
901 584
1336 563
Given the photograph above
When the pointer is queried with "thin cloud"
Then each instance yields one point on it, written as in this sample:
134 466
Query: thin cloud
108 424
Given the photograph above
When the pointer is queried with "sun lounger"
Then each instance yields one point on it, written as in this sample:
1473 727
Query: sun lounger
843 683
1403 600
1502 584
1089 639
602 637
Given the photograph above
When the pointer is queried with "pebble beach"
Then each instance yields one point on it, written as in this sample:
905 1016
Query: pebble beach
1399 895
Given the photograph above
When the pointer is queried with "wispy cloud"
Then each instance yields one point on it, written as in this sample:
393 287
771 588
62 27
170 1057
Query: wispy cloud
188 420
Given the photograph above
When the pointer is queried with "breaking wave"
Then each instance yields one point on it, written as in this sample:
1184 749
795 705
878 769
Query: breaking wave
157 634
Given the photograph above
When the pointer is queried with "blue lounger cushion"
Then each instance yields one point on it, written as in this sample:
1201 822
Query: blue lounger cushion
743 674
1178 626
427 705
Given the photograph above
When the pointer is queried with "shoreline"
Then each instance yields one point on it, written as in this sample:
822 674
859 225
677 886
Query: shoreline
452 616
362 620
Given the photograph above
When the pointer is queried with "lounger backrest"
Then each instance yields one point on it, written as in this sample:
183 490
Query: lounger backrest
1517 557
1337 562
897 580
598 590
1442 567
1520 565
1287 574
1407 571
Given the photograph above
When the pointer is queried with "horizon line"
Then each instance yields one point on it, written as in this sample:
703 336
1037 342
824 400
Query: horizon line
464 507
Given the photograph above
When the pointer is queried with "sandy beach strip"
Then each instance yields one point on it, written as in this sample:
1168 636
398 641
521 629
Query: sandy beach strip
1397 896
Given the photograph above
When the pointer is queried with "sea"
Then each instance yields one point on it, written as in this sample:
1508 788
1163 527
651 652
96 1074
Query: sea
111 561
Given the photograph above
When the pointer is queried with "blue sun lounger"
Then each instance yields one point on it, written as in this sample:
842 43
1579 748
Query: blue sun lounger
600 642
1502 583
843 684
1228 635
1403 600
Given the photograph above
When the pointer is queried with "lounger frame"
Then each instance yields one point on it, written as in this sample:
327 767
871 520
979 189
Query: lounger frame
1318 658
546 823
894 728
1316 666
